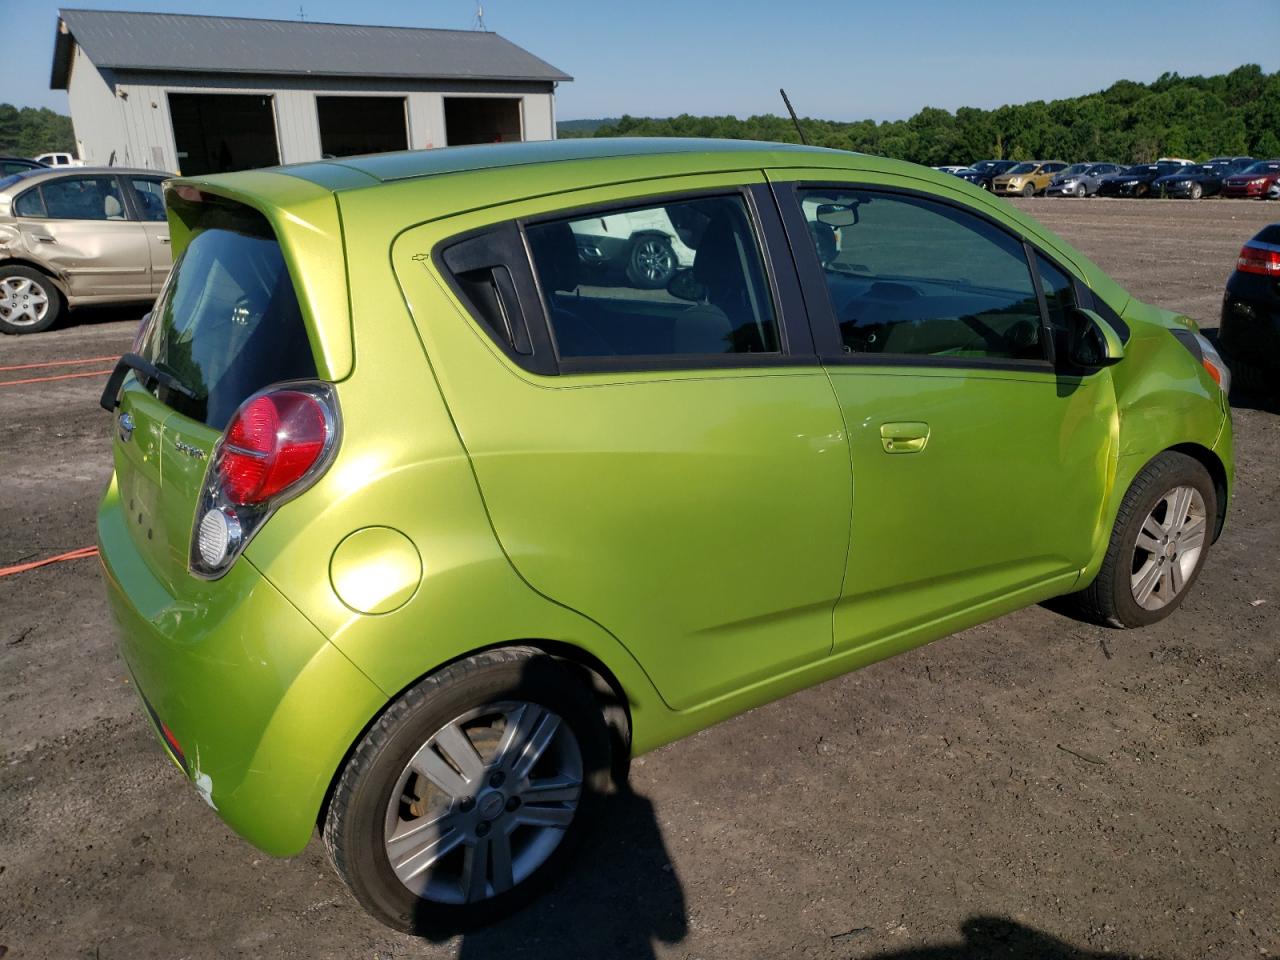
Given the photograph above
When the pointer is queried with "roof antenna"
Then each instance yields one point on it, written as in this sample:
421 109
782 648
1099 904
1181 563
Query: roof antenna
478 22
794 118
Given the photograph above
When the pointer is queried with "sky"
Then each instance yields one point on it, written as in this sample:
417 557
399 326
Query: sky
838 60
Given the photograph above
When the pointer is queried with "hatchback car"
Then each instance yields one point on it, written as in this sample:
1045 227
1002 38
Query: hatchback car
418 531
79 236
1250 327
1027 179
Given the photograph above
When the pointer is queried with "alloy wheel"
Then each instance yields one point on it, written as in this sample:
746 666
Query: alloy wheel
1168 547
23 301
484 802
655 260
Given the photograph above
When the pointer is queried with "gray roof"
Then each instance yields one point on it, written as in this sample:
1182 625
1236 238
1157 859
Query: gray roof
183 43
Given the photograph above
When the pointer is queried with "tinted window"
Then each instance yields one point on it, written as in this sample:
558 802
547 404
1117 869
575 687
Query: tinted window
912 276
150 197
1059 294
1023 168
682 278
30 204
83 198
228 323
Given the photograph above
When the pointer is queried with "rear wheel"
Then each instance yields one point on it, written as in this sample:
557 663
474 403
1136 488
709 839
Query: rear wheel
29 302
468 795
1158 545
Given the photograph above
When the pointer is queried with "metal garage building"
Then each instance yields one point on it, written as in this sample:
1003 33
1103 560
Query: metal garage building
196 94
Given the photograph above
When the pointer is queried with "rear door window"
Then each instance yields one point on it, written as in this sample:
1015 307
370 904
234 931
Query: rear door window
83 198
228 322
683 278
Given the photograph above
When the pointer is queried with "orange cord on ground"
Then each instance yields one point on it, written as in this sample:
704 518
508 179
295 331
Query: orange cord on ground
81 554
56 363
61 376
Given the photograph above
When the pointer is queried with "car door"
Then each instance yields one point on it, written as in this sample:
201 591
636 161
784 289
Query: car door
78 225
147 198
669 462
979 468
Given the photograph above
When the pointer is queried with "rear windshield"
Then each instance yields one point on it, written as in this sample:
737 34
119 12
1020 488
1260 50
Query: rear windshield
1269 234
228 321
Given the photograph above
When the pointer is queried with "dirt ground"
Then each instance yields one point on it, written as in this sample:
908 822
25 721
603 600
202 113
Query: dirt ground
1031 788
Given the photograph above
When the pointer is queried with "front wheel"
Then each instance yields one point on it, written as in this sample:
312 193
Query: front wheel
1158 545
467 796
1080 190
1029 190
1197 191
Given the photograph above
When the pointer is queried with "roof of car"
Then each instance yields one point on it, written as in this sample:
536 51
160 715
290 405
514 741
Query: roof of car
414 164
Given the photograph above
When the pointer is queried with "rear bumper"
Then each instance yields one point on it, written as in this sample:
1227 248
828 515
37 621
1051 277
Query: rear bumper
257 707
1250 326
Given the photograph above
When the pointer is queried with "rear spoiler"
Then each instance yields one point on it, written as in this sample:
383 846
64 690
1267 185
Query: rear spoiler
150 373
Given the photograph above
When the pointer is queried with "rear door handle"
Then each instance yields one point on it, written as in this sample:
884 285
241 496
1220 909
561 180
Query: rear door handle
164 239
906 437
44 238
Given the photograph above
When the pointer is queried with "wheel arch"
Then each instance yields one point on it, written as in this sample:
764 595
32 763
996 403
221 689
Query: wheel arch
56 280
615 705
1217 471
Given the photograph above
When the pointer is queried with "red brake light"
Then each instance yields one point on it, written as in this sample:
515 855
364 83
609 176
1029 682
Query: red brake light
270 445
1257 260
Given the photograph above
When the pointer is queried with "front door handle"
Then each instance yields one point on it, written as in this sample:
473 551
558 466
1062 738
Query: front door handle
43 238
164 239
907 437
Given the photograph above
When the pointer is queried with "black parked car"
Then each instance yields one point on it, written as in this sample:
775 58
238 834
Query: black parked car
1136 180
984 171
1250 330
1204 180
11 165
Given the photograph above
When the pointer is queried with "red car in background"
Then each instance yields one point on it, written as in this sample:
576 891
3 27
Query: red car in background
1252 181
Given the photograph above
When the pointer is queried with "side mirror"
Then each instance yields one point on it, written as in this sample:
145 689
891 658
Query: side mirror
683 286
1093 341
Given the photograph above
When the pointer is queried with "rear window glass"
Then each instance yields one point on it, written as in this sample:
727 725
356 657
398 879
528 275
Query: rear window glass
1269 234
228 322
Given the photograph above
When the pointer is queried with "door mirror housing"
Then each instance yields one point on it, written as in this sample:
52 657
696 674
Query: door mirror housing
1093 341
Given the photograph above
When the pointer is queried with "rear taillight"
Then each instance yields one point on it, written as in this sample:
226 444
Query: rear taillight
1259 260
271 444
276 445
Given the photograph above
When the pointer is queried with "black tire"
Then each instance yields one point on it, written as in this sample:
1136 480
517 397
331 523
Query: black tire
1109 599
355 824
1081 191
21 282
1029 190
1197 191
652 262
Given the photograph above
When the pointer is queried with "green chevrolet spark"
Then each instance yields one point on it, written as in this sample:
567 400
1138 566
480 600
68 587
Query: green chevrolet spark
446 482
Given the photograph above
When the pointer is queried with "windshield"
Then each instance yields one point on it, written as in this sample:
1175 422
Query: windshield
1074 170
1023 168
1264 166
228 322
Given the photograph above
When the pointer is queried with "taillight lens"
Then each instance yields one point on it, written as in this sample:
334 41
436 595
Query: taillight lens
276 444
1257 260
271 443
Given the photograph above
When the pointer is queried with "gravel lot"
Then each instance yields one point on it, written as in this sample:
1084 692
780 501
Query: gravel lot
1031 788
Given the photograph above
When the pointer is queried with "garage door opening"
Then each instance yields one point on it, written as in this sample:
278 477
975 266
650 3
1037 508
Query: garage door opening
352 125
221 132
481 120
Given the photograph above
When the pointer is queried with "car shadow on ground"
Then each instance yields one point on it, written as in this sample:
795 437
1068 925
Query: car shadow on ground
621 896
991 937
95 316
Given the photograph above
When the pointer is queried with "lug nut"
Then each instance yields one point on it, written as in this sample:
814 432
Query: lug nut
482 828
497 779
513 804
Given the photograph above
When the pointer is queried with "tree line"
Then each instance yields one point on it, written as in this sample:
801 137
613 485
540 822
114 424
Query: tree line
1236 114
29 131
